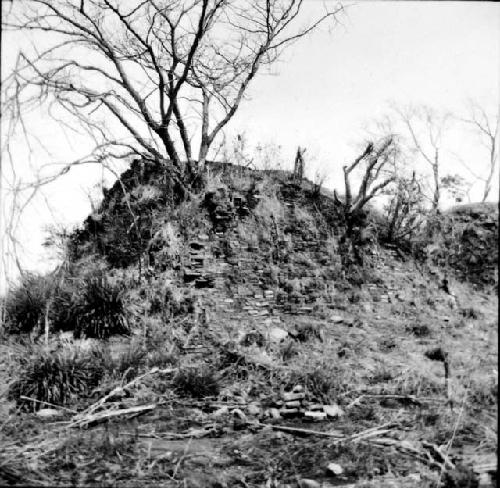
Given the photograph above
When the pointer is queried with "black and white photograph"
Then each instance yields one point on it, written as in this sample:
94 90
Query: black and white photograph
249 243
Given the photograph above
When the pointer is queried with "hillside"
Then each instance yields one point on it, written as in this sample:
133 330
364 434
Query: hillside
287 354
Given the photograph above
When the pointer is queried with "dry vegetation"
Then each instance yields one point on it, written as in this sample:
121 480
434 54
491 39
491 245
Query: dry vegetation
194 395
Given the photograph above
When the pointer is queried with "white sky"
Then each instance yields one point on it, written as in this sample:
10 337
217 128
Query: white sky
326 88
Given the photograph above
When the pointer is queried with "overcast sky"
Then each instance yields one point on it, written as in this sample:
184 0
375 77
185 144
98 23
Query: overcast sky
326 88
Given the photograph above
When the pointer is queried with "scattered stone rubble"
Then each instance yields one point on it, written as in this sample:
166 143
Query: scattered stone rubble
295 404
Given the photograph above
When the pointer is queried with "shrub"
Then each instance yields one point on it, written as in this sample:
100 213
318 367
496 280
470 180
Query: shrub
131 360
141 355
483 393
307 331
269 209
170 301
196 382
25 304
57 376
100 310
471 313
288 350
460 477
421 330
321 380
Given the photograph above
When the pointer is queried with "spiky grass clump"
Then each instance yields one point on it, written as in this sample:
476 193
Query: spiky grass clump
100 311
57 376
197 382
36 298
25 304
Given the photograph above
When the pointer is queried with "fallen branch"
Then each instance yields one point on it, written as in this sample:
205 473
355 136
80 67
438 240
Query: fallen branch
118 391
442 457
297 430
47 403
429 454
93 419
409 398
89 415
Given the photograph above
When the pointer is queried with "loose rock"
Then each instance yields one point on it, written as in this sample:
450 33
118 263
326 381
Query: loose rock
293 404
239 414
335 469
316 407
220 412
333 411
305 483
253 409
315 415
276 334
290 397
274 413
287 412
48 413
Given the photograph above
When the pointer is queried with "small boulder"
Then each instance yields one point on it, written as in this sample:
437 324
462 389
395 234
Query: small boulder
315 407
290 397
306 483
293 404
274 413
220 412
49 413
253 409
239 414
252 337
335 469
315 415
333 411
289 412
277 334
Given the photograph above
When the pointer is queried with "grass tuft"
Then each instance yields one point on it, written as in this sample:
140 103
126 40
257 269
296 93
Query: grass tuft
196 382
100 312
57 376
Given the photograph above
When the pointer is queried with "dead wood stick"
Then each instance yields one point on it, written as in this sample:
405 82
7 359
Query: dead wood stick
297 430
118 389
411 398
442 457
47 403
365 435
96 418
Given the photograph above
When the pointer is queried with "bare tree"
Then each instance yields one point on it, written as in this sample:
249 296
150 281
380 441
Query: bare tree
148 77
426 128
406 209
320 177
487 128
376 176
298 166
457 187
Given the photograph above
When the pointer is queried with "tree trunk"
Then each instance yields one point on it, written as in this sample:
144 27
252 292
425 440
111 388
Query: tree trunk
437 186
202 157
392 224
487 184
